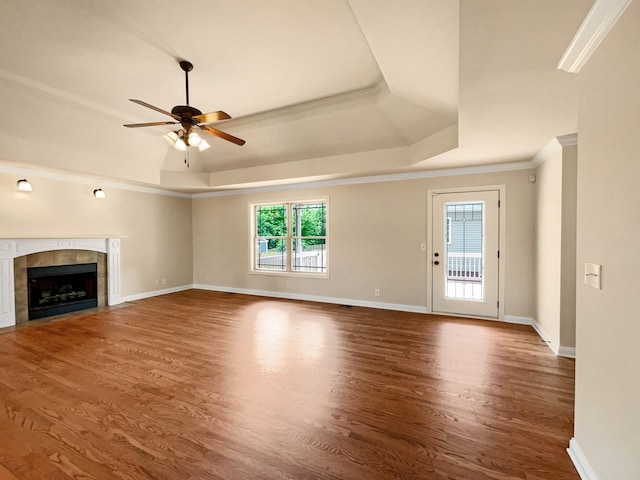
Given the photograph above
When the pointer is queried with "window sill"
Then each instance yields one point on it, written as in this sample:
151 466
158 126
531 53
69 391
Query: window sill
290 274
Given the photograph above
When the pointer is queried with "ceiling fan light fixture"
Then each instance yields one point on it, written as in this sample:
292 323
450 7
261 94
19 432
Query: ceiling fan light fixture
203 146
180 145
171 138
194 139
188 117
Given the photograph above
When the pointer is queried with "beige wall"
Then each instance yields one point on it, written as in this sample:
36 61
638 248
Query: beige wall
375 234
157 228
607 411
568 247
548 245
556 247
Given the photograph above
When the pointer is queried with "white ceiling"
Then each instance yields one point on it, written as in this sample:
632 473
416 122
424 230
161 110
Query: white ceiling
318 90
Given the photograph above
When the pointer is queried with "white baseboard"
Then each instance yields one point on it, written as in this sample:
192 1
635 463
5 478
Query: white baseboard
314 298
519 320
155 293
569 352
544 336
580 461
559 350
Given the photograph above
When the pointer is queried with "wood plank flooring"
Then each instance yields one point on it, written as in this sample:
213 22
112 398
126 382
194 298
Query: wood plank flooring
204 385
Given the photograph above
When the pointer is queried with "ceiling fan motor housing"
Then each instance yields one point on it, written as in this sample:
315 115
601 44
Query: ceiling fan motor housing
185 111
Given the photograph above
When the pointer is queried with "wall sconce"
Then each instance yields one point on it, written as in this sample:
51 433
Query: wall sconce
24 185
99 193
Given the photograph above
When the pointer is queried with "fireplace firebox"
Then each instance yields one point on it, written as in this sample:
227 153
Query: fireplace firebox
62 289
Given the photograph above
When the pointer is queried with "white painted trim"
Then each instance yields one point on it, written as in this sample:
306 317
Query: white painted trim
546 152
57 93
568 352
393 177
595 27
502 219
87 180
95 181
156 293
568 140
314 298
555 145
519 320
584 468
544 336
10 248
113 271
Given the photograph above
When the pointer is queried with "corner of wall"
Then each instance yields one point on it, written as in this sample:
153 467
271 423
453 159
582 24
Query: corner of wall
581 463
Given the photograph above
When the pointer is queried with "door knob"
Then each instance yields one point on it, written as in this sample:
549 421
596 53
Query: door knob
436 262
436 254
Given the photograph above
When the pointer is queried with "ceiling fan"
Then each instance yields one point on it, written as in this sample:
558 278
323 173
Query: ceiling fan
189 118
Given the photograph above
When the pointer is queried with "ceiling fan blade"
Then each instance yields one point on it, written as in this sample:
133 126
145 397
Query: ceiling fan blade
226 136
148 105
211 117
152 124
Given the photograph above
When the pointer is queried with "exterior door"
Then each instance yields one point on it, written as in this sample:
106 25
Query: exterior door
465 253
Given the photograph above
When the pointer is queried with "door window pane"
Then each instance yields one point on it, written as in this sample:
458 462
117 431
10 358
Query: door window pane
464 251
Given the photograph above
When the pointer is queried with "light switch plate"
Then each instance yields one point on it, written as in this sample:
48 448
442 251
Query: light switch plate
592 274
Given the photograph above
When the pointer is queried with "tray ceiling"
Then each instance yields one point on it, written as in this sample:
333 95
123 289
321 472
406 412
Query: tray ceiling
326 89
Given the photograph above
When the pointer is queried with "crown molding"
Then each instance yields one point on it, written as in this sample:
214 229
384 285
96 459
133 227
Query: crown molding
63 95
87 180
568 140
311 107
546 152
595 27
555 145
393 177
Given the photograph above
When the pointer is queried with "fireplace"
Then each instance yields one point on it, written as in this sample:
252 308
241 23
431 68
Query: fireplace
19 254
62 289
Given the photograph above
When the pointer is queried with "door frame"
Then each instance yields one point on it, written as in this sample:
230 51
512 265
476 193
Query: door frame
501 239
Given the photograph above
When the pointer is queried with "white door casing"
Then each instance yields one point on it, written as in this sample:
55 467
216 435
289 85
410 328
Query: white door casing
479 296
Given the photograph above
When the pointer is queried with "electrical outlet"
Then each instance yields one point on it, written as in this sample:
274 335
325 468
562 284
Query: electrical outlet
423 247
164 281
376 292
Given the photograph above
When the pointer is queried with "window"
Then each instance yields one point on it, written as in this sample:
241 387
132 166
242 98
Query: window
290 237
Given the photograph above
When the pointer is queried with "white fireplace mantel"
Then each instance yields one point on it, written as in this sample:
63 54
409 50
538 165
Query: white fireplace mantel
10 248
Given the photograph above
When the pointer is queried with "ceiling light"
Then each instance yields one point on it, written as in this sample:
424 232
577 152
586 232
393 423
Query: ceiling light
170 138
180 145
24 185
99 193
203 145
194 139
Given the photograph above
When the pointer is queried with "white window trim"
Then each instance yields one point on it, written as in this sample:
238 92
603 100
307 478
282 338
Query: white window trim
288 272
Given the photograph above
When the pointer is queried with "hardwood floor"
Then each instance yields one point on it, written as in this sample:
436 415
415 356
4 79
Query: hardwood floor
203 385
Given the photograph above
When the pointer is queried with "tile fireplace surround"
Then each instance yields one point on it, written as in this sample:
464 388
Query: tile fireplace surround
10 248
